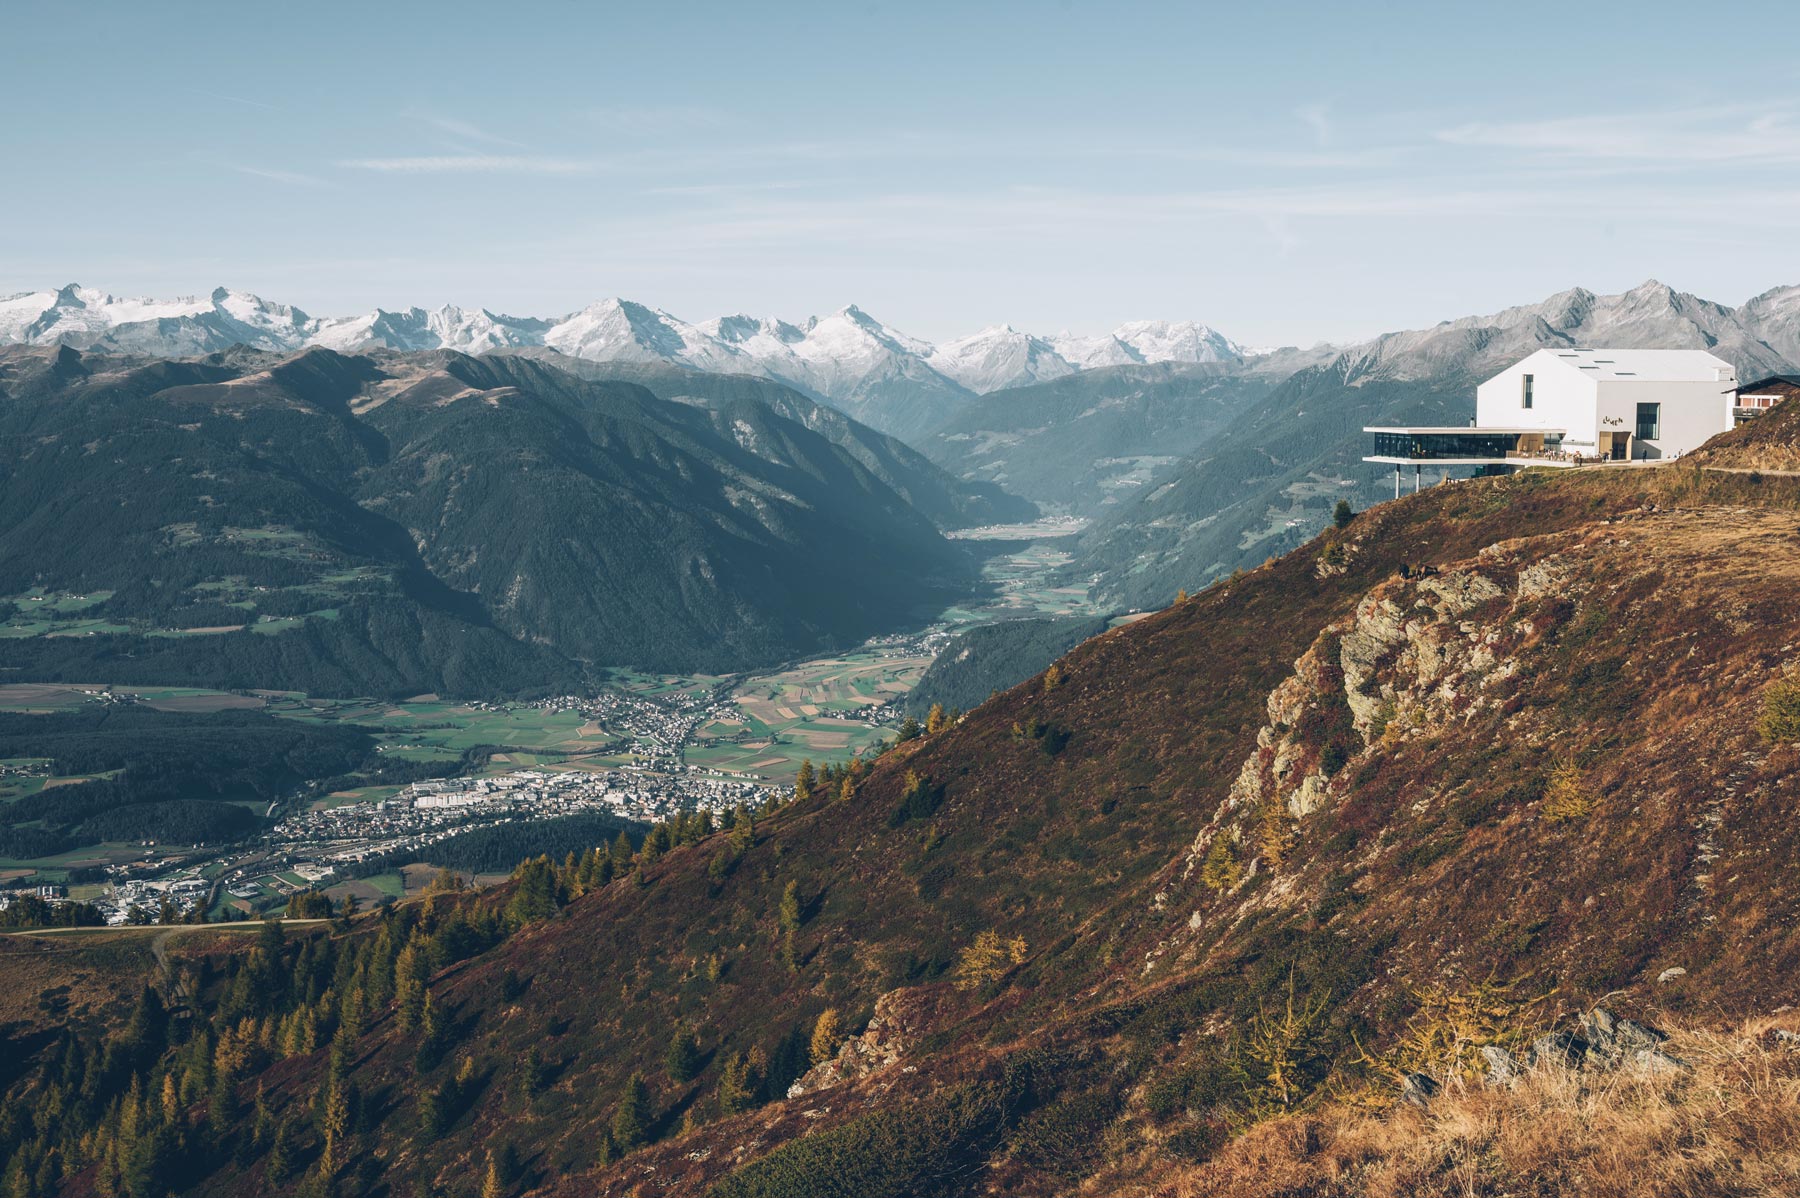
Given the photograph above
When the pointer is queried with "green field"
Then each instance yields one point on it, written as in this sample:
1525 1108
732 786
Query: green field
56 869
807 712
661 685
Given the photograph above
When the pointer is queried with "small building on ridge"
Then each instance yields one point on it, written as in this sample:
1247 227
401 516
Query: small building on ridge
1570 407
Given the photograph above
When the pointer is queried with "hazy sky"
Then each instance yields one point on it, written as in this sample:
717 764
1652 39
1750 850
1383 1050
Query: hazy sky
1286 172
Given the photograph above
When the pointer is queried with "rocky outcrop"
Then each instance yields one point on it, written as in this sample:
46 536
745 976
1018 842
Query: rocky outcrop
1415 653
901 1017
1601 1041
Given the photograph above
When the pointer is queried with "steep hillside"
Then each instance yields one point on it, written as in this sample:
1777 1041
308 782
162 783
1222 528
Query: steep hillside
1088 442
389 523
1770 442
1440 781
947 501
996 657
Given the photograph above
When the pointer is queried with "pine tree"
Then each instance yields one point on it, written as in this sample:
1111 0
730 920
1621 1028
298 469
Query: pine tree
491 1185
280 1162
1342 514
827 1033
935 719
410 971
682 1058
1272 833
789 914
1053 678
334 1125
739 1084
621 854
1220 870
803 784
631 1118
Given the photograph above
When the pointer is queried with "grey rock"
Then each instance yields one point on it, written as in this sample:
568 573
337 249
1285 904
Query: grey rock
1418 1089
1610 1039
1655 1060
1503 1068
1562 1049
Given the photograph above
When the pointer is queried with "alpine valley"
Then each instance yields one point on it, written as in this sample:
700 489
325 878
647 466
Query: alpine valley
459 754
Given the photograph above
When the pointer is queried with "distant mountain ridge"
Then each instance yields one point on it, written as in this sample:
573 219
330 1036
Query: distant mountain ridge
394 523
867 369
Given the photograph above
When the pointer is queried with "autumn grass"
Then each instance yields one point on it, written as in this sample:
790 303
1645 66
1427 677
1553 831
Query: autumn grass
1731 1126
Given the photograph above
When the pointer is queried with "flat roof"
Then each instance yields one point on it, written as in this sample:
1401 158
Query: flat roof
1520 462
1646 365
1459 429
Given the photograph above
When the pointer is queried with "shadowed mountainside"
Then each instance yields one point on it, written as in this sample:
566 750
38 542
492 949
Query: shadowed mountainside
392 524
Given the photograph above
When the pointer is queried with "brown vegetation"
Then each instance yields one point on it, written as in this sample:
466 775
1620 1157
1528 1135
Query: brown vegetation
1731 1126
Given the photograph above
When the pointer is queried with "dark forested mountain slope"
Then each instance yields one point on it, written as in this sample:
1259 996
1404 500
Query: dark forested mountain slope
1089 441
1515 743
948 501
393 523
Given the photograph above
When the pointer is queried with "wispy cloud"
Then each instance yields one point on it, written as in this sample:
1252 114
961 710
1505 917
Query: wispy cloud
467 131
471 164
1729 134
290 178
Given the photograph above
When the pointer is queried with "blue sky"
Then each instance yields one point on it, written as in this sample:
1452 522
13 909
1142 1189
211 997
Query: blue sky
1286 172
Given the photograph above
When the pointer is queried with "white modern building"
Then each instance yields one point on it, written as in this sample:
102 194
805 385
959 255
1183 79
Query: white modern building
1569 407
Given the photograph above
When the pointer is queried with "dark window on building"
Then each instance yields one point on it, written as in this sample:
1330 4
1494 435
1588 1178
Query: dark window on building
1426 446
1525 399
1649 421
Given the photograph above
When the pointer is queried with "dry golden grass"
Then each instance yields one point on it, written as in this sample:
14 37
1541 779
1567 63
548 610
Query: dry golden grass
1730 1127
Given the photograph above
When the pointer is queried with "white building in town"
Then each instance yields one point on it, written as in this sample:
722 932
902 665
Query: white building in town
1567 407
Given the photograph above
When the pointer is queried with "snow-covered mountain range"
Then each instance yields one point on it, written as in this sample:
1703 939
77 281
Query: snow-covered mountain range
895 382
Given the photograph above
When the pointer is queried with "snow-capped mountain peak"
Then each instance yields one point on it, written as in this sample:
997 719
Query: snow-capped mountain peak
850 358
1000 356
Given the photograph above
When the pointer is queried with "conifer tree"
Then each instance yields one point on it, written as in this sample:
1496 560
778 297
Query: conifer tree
279 1164
682 1057
739 1084
827 1033
631 1117
409 987
789 913
935 719
1220 870
803 783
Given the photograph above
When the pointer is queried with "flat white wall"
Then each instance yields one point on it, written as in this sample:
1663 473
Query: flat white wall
1561 398
1692 413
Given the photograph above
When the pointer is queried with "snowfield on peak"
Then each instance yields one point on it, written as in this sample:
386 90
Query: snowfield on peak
868 369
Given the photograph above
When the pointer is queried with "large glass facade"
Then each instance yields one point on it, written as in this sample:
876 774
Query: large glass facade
1427 446
1649 421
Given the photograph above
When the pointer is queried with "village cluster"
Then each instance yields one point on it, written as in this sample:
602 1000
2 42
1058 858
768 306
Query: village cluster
427 812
